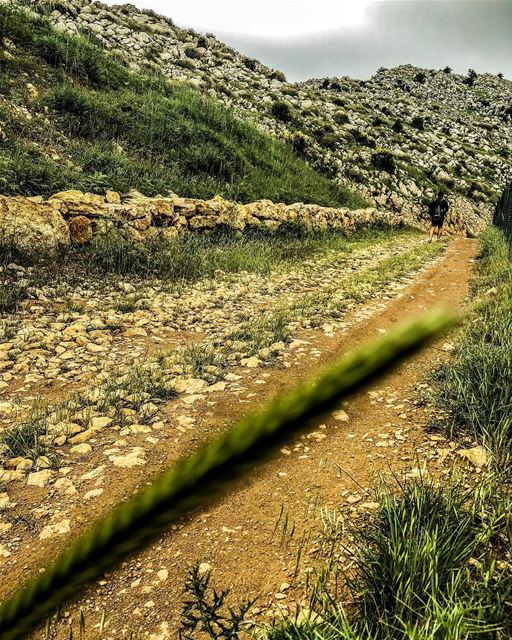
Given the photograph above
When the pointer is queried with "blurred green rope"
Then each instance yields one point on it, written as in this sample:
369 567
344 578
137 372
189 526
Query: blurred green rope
194 480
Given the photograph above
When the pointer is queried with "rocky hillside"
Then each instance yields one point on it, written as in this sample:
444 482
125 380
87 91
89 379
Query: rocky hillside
73 115
397 137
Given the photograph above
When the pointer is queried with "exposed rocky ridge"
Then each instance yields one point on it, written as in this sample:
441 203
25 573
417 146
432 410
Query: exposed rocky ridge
398 136
73 217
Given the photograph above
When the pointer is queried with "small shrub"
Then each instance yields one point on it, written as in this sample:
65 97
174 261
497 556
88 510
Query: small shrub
282 111
184 63
206 610
328 139
277 75
477 186
12 293
8 329
397 126
360 137
418 123
73 305
26 439
250 63
384 160
290 91
132 303
203 361
470 79
153 53
192 52
340 117
447 70
299 143
420 77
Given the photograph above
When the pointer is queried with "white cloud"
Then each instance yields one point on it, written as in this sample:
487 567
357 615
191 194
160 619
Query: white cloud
268 18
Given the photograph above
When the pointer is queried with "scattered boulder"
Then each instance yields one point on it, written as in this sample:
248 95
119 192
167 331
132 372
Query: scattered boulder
57 529
31 228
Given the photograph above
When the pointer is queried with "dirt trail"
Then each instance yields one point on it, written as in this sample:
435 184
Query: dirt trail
242 537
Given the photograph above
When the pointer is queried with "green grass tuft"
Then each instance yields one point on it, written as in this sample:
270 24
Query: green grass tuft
423 570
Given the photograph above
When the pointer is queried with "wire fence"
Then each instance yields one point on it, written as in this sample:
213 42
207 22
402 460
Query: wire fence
503 214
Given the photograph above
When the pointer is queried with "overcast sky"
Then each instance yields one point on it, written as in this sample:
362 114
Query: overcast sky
307 39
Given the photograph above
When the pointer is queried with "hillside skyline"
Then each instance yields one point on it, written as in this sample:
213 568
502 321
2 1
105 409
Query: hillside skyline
354 39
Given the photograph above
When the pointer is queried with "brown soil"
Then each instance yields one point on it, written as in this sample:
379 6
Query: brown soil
244 537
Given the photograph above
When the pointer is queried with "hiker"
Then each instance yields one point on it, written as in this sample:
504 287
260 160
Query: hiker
437 211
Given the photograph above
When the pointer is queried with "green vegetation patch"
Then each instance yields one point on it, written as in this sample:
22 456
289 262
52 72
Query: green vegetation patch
474 388
197 256
96 125
421 570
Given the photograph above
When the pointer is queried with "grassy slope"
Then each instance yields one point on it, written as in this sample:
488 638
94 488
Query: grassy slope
96 125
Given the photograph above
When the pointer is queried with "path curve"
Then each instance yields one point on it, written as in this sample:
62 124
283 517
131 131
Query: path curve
242 537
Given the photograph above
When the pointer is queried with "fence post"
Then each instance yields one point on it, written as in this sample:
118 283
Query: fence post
503 215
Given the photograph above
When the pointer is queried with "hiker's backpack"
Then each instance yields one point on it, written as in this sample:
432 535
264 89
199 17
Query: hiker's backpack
438 212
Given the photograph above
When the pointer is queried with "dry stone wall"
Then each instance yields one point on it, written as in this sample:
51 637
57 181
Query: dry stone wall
34 225
72 217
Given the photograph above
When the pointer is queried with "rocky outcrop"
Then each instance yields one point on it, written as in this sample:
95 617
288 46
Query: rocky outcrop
467 216
27 227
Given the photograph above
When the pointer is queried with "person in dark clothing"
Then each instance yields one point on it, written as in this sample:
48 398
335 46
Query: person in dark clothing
437 211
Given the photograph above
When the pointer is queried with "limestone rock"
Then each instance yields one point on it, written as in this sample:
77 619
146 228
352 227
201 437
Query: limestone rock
80 230
93 493
7 476
32 228
250 363
39 478
81 449
57 529
74 201
204 568
4 551
5 502
477 456
189 385
132 459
